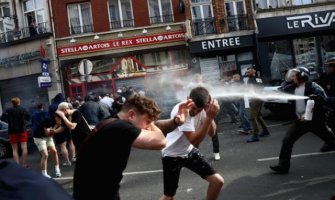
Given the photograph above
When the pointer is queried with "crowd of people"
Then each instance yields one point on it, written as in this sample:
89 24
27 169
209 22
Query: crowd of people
82 131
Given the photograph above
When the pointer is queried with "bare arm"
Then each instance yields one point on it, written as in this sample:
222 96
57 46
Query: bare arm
196 137
208 127
53 131
212 129
59 129
68 123
152 139
168 125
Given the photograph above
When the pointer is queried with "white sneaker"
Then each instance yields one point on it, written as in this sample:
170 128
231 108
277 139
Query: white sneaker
217 156
58 174
67 164
73 159
46 175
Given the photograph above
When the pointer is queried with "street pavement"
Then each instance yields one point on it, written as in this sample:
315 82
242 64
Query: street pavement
244 166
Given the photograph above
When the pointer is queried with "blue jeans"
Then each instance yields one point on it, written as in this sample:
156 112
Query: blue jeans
243 116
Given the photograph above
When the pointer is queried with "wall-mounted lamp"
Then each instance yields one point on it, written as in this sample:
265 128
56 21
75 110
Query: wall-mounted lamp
96 37
144 31
73 40
168 28
120 34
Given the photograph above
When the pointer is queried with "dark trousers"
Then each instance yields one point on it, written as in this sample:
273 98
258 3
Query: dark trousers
298 129
215 138
216 144
255 116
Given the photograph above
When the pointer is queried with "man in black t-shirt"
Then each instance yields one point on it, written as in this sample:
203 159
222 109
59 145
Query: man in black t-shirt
105 154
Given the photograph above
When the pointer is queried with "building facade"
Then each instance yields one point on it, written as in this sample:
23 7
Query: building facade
106 45
294 33
27 63
223 37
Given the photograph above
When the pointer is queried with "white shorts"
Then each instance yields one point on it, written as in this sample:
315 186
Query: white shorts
44 143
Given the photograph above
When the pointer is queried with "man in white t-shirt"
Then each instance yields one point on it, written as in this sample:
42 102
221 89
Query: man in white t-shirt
181 150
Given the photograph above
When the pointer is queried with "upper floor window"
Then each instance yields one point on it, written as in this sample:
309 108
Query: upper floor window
268 4
4 24
201 9
80 18
4 11
160 11
120 14
202 16
34 17
301 2
236 15
265 4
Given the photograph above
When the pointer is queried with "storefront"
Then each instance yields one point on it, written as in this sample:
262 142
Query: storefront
122 62
296 40
220 58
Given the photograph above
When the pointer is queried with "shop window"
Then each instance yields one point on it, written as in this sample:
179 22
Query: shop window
179 56
80 18
160 11
120 14
245 60
246 56
327 44
163 58
155 59
202 16
103 65
228 67
77 91
280 59
306 57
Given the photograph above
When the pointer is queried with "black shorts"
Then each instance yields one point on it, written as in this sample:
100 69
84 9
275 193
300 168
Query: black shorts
62 137
172 165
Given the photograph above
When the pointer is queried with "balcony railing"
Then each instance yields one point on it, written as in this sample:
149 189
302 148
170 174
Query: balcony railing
237 23
24 32
81 29
122 24
161 19
204 26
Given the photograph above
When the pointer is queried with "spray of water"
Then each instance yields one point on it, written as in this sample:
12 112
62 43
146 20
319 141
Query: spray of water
181 86
265 94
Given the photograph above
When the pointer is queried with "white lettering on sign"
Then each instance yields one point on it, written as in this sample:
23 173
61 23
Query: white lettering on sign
85 48
315 21
122 43
220 43
159 38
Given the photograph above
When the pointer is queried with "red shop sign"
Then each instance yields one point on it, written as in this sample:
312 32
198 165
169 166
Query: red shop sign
121 43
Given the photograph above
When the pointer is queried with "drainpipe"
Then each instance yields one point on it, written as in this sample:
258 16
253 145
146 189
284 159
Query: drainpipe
58 75
16 22
254 15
